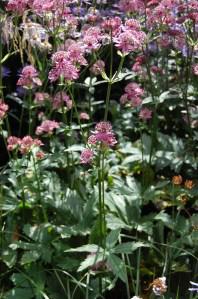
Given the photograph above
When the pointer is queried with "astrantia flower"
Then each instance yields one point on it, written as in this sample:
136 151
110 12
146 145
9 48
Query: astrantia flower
13 143
103 134
131 6
145 114
84 116
159 286
62 67
60 99
98 67
195 69
47 127
133 90
27 143
129 41
3 109
194 287
86 156
41 97
29 77
75 54
18 6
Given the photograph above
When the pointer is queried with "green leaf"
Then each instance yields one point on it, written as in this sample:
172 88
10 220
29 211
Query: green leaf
86 248
29 257
128 247
117 266
91 260
19 293
9 257
7 56
112 238
20 280
165 218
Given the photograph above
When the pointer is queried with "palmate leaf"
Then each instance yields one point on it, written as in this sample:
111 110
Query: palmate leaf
91 260
9 257
86 248
112 238
129 247
117 266
29 257
19 293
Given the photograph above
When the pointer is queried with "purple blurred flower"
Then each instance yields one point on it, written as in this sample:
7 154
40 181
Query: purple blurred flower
21 91
5 72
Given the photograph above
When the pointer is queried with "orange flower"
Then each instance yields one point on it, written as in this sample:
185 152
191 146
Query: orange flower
177 180
189 184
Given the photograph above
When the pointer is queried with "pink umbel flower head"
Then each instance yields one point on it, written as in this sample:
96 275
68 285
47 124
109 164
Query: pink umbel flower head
84 116
3 109
129 41
86 156
98 67
47 127
41 97
27 143
145 113
133 90
131 6
13 143
29 77
18 6
103 134
40 155
62 67
132 95
60 99
195 69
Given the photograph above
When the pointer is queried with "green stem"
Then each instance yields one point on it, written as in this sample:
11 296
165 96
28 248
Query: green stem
127 282
100 206
103 199
138 273
107 101
39 190
152 90
185 92
77 114
110 81
30 112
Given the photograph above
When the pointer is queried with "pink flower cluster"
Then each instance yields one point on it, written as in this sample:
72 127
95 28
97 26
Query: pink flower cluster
29 77
92 38
86 156
3 109
98 67
102 135
145 113
18 6
25 145
38 6
47 127
62 67
131 6
84 116
41 97
132 95
60 99
130 38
